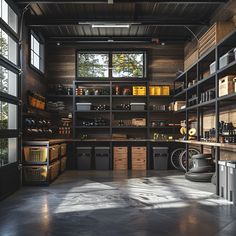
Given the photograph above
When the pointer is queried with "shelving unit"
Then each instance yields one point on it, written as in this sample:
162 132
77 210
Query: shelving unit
43 172
204 81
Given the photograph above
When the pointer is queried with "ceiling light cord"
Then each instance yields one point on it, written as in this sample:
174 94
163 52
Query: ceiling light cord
194 35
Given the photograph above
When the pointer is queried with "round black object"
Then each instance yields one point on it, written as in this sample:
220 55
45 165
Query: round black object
199 177
201 169
201 156
202 162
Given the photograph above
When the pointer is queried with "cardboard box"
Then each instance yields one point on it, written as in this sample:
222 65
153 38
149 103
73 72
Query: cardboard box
226 85
178 105
139 122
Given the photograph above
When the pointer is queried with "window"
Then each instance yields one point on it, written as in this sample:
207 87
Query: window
93 65
8 150
8 115
122 65
8 47
127 65
8 81
37 53
8 15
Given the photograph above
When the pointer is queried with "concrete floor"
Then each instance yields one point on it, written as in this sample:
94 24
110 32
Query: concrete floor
117 203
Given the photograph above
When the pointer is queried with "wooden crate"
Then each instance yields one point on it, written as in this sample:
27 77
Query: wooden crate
54 152
139 158
35 154
63 164
139 121
63 149
54 170
120 161
226 85
215 33
189 60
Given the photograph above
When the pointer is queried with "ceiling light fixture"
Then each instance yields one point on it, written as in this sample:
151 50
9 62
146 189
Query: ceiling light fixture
110 25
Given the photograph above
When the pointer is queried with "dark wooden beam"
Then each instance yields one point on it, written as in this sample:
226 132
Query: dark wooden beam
112 39
118 1
157 21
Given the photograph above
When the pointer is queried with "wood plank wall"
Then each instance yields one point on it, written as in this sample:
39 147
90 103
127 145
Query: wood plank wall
163 61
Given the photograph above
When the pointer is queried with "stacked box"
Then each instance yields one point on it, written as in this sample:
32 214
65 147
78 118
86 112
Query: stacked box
54 170
226 85
63 164
54 152
120 158
63 149
139 158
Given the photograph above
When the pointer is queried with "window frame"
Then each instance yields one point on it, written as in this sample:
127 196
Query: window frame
41 42
111 52
6 97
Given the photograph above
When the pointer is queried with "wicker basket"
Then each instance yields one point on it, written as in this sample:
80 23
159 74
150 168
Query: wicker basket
35 173
54 152
63 149
35 154
54 170
63 163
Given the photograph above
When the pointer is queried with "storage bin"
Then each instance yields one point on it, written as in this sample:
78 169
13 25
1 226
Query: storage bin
160 158
102 158
63 164
35 173
178 105
155 90
84 156
231 181
165 90
138 122
83 106
63 148
35 154
120 160
54 152
223 183
137 106
212 68
226 85
139 90
226 59
54 170
139 158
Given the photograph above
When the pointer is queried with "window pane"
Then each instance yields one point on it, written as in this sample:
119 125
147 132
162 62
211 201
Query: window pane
8 15
127 65
37 54
4 11
36 46
8 47
8 81
8 115
36 61
93 65
8 151
13 20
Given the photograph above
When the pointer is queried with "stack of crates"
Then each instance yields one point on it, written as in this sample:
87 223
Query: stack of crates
139 90
120 158
139 158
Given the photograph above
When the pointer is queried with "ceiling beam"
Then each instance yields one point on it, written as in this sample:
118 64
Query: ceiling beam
112 39
157 21
118 1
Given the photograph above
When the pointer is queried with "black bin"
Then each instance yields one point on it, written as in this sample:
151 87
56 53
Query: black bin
84 156
160 158
102 158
